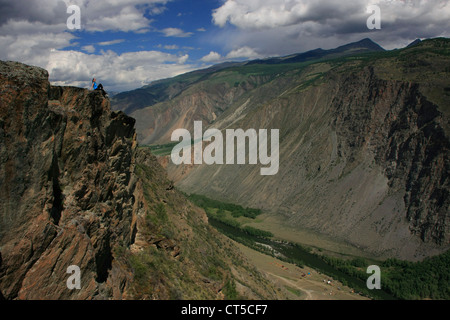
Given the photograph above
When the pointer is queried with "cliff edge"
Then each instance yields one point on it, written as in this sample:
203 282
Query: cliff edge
76 190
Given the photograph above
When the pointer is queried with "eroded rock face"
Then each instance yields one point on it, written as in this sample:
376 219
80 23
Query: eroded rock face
404 132
76 191
66 188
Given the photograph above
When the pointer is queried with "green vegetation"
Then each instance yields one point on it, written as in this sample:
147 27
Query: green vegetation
399 279
147 269
229 290
187 262
221 217
235 210
428 279
257 232
267 69
162 149
297 292
253 232
217 210
295 254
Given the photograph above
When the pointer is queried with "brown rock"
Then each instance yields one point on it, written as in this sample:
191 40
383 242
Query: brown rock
66 164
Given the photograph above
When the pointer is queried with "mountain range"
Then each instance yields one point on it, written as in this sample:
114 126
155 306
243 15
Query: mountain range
166 89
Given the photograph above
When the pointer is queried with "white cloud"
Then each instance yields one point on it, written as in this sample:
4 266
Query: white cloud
36 33
48 12
274 27
143 31
259 14
183 59
211 57
244 52
169 47
128 19
88 48
35 46
116 72
109 43
126 15
176 32
240 53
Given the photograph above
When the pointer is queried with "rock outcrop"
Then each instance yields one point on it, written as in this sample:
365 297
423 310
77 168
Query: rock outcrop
66 186
405 134
75 190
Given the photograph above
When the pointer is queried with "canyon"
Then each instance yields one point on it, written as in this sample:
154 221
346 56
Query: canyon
364 140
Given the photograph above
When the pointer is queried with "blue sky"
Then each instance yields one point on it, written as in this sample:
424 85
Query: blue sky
183 27
126 44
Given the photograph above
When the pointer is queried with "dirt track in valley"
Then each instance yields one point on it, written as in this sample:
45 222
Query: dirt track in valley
300 283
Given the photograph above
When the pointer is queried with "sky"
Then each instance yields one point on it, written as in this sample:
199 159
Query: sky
127 44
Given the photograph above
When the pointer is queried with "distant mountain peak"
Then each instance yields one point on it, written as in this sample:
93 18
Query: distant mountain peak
414 43
362 46
366 43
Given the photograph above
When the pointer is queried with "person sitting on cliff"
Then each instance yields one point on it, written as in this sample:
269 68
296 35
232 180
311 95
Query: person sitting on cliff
99 86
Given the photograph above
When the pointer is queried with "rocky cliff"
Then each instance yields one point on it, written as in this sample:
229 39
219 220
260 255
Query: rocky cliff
75 190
